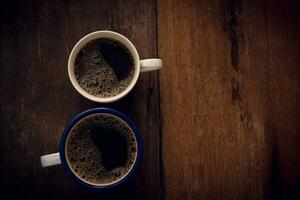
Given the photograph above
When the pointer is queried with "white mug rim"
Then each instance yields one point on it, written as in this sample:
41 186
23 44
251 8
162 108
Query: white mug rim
103 34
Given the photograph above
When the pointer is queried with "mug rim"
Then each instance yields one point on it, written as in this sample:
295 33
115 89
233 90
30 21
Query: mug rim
96 35
73 122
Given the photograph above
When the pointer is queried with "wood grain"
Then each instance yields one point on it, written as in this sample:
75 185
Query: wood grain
37 99
230 99
228 106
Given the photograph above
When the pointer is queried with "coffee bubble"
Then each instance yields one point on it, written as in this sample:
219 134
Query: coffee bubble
104 67
92 144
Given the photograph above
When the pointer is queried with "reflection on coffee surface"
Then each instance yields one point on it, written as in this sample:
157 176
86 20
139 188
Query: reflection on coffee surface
104 67
101 149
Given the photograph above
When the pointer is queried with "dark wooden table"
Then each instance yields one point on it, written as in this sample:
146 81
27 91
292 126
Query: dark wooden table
221 120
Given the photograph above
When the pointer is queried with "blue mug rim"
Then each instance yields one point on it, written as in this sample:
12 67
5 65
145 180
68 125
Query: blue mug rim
74 121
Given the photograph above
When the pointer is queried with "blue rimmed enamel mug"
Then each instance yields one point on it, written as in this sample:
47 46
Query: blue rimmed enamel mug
60 157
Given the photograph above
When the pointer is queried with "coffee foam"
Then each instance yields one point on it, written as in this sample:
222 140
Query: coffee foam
84 158
95 75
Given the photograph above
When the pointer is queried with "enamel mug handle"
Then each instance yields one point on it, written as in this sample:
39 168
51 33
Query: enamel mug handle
152 64
50 160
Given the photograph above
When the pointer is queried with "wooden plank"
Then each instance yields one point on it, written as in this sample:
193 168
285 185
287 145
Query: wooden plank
230 99
270 58
37 99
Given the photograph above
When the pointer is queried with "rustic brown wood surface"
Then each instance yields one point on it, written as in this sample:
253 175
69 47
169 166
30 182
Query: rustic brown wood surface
221 120
230 99
38 100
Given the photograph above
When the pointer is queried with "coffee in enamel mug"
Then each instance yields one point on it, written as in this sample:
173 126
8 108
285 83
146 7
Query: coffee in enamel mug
99 149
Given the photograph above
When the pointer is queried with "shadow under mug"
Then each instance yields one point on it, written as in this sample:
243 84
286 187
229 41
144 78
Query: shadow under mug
139 65
60 157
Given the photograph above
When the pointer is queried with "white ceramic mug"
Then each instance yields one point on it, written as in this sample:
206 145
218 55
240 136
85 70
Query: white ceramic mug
139 65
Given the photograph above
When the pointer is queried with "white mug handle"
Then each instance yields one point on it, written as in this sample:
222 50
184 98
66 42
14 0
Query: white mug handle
152 64
50 160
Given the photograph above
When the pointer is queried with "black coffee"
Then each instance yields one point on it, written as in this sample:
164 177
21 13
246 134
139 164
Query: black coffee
101 149
104 67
